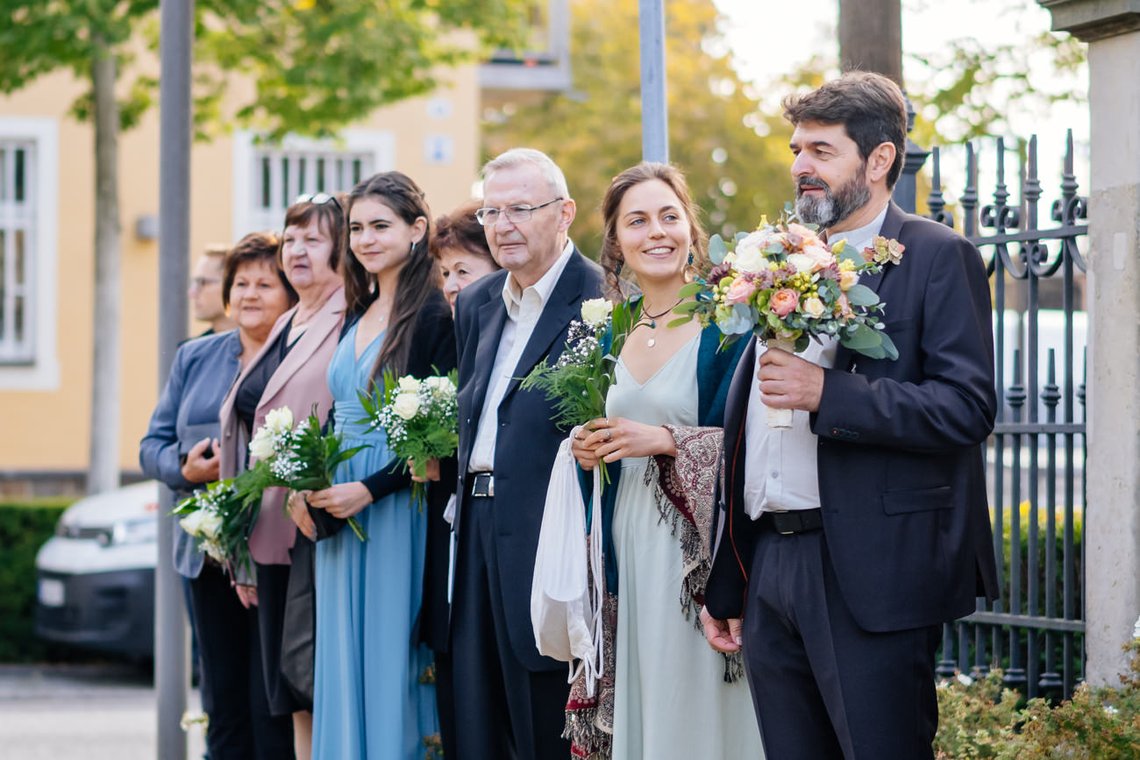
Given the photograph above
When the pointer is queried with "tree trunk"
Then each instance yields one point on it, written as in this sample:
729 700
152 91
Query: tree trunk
103 468
870 37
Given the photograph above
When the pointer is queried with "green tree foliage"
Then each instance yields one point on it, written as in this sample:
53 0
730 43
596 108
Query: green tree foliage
316 65
736 160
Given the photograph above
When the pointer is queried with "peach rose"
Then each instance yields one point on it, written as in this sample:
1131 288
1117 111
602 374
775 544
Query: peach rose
784 301
740 290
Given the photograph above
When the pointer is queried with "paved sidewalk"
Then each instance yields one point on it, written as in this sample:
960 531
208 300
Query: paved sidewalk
85 712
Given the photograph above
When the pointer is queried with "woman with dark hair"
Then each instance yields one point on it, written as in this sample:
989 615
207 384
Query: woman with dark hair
459 244
671 695
288 371
181 449
374 699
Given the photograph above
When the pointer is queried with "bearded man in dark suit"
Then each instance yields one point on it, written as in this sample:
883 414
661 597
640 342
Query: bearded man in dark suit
849 539
510 700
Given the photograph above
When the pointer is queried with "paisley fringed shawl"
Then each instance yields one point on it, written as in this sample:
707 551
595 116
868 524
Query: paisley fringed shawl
685 490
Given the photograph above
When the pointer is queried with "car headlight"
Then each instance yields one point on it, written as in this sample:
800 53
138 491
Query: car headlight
140 530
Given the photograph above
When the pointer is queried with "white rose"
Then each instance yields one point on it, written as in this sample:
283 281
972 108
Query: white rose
801 262
214 550
435 382
750 253
261 447
280 420
813 307
211 525
192 523
408 384
595 311
847 280
406 405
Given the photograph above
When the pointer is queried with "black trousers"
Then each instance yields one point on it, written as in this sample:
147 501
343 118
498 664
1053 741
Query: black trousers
502 710
272 593
822 686
233 691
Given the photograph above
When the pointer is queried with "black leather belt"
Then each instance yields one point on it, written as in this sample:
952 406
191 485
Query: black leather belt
482 484
792 522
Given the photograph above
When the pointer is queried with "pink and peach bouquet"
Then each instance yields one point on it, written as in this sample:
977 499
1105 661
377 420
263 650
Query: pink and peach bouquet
785 285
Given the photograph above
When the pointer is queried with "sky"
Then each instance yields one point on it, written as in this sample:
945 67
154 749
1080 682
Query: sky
763 53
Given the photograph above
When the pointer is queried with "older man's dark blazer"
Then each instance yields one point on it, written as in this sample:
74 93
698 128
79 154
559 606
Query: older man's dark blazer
527 439
901 478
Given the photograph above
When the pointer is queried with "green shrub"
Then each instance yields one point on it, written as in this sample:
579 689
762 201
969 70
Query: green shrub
980 719
23 529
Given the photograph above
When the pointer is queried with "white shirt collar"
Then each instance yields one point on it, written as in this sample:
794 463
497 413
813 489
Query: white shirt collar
861 237
513 296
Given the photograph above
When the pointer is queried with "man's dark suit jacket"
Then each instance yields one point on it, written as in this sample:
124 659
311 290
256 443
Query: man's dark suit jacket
527 438
901 479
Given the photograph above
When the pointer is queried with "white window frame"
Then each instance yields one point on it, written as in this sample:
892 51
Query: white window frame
41 373
380 145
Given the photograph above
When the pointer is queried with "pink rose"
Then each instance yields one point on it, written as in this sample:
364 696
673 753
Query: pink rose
740 290
784 301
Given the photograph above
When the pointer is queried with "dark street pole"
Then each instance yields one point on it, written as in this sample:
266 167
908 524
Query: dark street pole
170 650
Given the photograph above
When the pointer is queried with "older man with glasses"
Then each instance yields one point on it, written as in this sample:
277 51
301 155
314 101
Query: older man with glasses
509 698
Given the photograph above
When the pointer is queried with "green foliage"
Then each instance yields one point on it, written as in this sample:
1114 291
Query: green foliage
316 65
735 159
979 719
24 527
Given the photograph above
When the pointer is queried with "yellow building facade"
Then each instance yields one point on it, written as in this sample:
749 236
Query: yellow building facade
47 223
238 185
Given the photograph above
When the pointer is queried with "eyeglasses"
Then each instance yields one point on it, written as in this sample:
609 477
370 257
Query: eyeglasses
318 199
488 217
201 282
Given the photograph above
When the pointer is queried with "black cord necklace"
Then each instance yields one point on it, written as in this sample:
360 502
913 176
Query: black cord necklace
652 321
654 317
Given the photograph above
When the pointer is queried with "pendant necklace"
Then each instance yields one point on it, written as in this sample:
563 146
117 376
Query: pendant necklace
653 321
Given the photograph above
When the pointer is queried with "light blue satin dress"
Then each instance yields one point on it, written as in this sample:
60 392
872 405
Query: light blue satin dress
373 699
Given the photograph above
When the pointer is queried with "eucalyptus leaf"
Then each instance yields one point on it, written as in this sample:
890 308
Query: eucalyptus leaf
861 295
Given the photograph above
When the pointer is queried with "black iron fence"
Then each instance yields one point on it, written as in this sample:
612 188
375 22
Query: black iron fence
1036 456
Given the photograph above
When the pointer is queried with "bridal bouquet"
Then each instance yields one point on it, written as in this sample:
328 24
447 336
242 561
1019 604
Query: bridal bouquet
299 458
220 518
578 381
420 418
785 285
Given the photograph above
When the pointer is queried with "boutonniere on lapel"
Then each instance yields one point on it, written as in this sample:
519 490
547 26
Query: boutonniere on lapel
785 285
579 380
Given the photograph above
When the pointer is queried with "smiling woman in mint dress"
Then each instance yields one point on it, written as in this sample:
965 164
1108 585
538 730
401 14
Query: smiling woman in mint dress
669 696
373 695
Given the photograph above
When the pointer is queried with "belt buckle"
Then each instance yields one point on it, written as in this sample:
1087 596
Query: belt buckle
778 531
487 480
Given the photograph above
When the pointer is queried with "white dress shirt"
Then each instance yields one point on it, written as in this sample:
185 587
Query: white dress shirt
780 471
524 308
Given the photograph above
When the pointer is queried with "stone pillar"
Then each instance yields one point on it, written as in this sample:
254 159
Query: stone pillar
1112 512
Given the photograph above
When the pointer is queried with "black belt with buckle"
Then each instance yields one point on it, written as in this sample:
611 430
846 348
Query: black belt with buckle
482 484
792 522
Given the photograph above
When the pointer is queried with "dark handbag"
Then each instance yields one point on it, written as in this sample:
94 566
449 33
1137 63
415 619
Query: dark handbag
298 634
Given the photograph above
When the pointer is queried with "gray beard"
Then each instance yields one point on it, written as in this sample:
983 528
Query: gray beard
833 207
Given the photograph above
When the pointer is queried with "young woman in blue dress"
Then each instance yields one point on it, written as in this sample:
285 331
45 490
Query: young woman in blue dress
373 694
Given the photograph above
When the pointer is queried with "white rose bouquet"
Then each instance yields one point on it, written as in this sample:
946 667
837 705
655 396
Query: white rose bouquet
220 517
579 380
420 418
299 457
782 283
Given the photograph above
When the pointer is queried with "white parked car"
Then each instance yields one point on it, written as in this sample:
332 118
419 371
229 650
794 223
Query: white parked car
95 576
